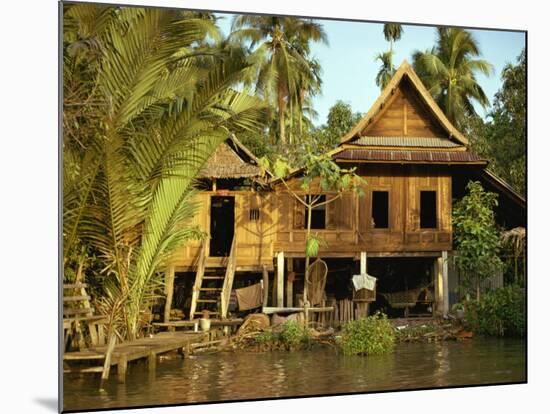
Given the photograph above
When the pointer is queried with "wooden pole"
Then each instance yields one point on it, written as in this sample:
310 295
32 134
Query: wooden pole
445 281
438 285
169 290
152 361
108 354
121 368
289 283
363 266
265 279
280 278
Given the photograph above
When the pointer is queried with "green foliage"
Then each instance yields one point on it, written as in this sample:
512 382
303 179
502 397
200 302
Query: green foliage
280 168
392 32
294 335
283 71
144 108
291 336
387 69
503 139
476 236
449 73
500 312
372 335
313 243
340 120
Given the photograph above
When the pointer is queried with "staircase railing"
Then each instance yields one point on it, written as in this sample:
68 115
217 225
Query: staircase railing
228 280
201 265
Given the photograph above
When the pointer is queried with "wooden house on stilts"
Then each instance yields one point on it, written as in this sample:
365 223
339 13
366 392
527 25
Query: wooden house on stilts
411 158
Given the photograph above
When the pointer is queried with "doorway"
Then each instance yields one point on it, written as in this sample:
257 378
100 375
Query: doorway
222 225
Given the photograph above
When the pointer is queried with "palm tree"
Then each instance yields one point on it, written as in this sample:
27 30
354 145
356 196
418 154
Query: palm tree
392 33
159 106
387 70
449 72
279 51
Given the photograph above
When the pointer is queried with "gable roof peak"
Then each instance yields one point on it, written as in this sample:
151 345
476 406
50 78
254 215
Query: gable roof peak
405 69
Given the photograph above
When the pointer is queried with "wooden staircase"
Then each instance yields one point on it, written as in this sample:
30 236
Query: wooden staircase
211 288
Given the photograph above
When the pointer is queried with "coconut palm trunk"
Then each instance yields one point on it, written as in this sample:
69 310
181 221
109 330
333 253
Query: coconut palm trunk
281 106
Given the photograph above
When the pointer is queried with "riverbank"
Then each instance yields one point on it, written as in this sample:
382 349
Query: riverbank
256 334
244 375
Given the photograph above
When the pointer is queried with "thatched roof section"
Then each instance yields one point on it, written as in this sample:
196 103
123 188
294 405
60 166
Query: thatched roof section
231 160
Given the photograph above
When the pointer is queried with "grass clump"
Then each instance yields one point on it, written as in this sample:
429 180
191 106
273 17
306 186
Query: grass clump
372 335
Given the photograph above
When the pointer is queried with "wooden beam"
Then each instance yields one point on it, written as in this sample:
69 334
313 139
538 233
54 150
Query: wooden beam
282 309
169 291
404 118
280 278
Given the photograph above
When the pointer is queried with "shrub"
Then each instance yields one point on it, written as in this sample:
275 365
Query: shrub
292 336
500 312
368 336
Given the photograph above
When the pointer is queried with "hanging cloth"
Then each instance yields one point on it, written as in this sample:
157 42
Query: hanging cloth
364 281
250 297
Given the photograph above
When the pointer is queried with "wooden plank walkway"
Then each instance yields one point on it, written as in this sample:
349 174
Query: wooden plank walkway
130 351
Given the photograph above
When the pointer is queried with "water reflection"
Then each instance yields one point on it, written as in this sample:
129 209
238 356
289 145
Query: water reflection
248 375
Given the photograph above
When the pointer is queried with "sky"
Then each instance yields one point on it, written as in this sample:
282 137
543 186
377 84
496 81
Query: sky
349 67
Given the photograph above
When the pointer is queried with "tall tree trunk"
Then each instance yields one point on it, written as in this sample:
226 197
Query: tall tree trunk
300 110
281 107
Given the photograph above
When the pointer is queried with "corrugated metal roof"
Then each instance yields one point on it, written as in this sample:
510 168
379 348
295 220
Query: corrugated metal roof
404 156
433 142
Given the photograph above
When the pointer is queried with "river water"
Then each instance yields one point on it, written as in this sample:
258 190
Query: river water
249 375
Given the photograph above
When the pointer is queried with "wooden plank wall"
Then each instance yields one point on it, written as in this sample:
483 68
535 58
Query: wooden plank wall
404 115
349 228
254 237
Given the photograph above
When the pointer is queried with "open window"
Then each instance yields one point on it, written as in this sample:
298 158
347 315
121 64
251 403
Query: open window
318 214
428 210
380 209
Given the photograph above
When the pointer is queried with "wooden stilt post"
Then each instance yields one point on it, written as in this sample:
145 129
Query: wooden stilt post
169 291
108 354
289 283
121 368
280 279
265 279
363 308
152 361
438 285
445 281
